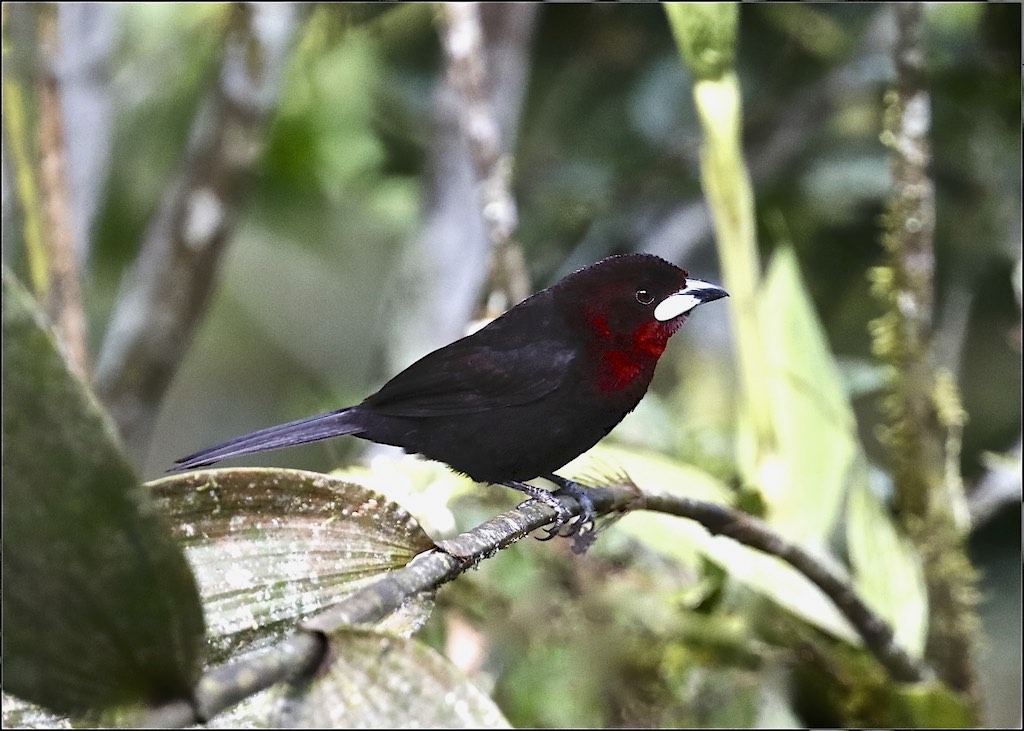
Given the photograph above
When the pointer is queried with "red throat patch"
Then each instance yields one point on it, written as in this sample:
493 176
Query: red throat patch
620 367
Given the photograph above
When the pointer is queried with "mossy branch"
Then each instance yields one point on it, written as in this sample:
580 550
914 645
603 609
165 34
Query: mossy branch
921 411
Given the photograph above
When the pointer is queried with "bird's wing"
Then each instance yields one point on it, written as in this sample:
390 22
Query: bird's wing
473 375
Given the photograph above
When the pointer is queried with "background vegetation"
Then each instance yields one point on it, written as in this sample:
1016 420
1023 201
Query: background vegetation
352 247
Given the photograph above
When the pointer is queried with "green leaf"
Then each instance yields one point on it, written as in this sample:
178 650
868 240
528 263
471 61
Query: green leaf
99 605
933 705
271 547
814 425
377 680
888 571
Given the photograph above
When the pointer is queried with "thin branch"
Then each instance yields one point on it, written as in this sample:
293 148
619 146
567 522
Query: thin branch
88 39
445 268
164 296
64 296
224 686
462 39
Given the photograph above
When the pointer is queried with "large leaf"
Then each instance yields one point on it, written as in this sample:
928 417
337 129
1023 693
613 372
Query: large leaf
805 481
376 680
99 605
933 705
270 547
22 714
889 575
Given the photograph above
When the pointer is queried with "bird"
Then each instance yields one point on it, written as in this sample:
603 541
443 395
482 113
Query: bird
527 393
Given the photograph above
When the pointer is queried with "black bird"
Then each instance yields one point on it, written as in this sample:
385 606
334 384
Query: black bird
526 394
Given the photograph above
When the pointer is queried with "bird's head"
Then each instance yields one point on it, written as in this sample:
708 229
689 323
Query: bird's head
627 307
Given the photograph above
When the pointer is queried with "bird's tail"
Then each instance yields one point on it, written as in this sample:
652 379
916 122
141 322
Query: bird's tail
303 431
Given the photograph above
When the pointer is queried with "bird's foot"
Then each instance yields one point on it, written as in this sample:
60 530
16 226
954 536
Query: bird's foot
564 515
582 530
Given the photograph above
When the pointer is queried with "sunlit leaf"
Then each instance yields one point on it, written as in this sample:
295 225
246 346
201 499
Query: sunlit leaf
888 570
22 714
933 705
99 605
270 547
424 487
377 680
813 421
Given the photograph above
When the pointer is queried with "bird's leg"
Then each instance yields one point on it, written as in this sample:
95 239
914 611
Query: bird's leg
587 510
548 498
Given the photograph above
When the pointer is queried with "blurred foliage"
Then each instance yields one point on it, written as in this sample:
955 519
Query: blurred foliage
607 154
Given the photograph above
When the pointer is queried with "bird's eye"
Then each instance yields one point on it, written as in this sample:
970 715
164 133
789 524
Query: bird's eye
644 297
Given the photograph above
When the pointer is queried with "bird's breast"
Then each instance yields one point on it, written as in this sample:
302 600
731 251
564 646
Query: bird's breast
629 363
624 373
617 370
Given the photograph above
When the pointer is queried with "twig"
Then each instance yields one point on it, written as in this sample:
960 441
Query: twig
445 268
462 39
163 297
64 296
88 39
224 686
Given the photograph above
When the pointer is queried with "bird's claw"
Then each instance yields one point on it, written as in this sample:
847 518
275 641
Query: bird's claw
563 516
581 528
565 519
